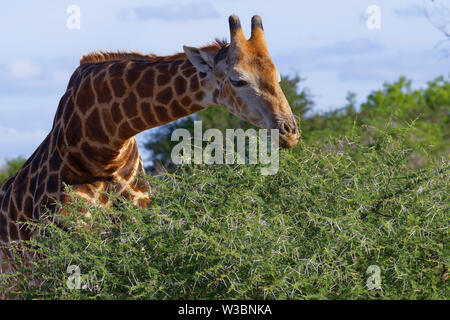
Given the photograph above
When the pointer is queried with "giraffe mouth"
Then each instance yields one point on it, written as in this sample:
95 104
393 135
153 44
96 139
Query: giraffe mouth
289 141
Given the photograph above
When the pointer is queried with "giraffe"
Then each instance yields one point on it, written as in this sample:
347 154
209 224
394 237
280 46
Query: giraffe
112 96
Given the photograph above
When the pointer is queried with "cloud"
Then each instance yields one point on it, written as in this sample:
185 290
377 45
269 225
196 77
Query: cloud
413 11
23 69
33 76
19 142
171 12
420 66
329 54
353 47
359 65
366 71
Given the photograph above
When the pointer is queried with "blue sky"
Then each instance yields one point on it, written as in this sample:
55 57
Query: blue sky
325 41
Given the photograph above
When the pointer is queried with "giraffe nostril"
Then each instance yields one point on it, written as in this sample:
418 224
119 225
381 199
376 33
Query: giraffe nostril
287 129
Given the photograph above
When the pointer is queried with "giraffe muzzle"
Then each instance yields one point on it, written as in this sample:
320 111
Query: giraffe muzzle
289 134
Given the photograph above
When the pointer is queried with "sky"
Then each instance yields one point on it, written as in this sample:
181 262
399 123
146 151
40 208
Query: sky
336 46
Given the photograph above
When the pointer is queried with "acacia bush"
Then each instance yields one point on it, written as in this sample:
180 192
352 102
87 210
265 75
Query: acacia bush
337 206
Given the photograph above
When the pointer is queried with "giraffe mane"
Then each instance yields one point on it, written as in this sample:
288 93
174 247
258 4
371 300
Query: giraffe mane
102 56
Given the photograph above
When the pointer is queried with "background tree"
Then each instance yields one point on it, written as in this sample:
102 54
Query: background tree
11 167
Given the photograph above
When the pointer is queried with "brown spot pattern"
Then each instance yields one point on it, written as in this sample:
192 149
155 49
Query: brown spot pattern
180 85
125 131
118 87
200 95
186 101
132 74
93 128
163 79
176 110
196 107
130 105
165 95
102 89
145 86
189 71
162 113
194 83
138 124
116 69
74 130
147 113
108 122
85 97
116 113
173 69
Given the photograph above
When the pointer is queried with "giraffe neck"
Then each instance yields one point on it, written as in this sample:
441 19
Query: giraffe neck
110 102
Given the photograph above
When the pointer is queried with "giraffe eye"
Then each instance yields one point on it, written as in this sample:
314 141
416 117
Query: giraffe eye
238 83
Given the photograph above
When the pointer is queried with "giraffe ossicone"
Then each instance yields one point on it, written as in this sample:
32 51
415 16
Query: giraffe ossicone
112 96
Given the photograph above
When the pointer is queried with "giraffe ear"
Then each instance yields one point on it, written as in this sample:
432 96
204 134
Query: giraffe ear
202 61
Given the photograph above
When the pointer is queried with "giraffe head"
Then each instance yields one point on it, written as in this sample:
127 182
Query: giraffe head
244 79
